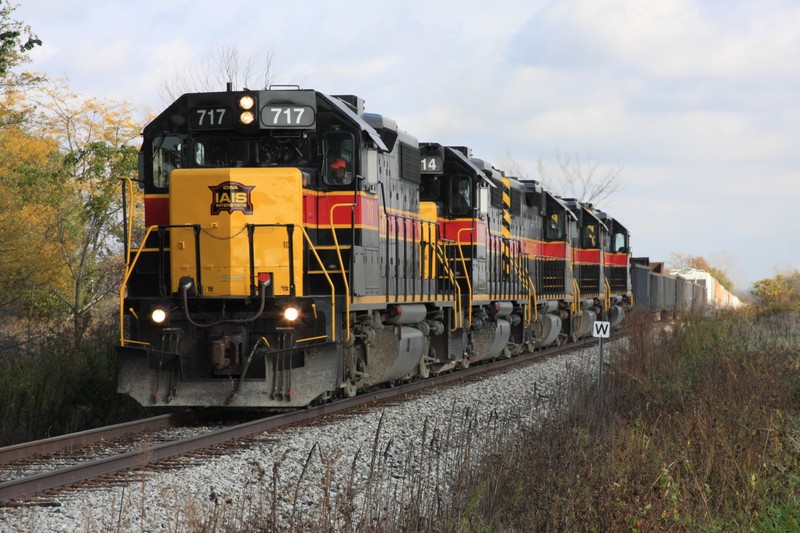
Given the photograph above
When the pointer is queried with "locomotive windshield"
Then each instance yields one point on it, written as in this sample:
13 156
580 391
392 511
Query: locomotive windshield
220 151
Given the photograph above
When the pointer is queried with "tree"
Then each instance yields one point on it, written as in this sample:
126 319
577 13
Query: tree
222 65
781 293
95 142
28 254
572 176
581 177
16 40
678 260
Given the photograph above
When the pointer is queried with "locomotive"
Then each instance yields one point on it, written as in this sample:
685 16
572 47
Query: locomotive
296 248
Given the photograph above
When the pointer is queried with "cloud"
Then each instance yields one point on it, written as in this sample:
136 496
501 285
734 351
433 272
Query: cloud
669 39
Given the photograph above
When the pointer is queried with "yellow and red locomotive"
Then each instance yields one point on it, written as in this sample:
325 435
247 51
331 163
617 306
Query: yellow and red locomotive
296 248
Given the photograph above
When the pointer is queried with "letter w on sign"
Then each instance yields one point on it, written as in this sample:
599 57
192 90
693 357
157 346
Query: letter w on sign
601 329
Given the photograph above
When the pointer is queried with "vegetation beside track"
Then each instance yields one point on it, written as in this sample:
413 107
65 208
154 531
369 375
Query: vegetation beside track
62 388
700 431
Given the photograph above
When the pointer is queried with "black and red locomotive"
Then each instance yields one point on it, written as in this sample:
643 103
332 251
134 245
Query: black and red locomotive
295 248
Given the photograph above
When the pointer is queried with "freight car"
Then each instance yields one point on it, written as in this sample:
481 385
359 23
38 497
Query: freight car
296 248
675 292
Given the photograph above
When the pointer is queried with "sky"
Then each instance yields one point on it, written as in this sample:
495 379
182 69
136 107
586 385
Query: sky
697 101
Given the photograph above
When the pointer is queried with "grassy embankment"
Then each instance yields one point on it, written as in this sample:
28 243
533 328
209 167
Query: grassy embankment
697 432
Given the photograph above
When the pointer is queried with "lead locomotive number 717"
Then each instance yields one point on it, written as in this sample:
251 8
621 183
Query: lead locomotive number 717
295 249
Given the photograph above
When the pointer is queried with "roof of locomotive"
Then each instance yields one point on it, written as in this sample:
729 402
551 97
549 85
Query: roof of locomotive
174 117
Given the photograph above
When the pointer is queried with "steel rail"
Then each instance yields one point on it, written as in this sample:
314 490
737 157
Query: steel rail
24 450
37 484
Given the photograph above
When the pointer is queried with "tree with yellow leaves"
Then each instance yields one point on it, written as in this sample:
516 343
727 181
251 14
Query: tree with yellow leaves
96 142
781 293
28 254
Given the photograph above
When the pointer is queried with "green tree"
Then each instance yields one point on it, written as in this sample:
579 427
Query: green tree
96 140
781 293
16 40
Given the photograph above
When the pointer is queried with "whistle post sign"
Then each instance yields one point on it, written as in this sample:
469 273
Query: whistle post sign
601 329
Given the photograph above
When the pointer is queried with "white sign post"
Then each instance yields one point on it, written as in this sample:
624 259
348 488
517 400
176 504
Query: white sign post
601 330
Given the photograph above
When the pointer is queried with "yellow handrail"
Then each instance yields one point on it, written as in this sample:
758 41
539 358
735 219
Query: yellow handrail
522 274
341 266
131 264
124 285
576 297
330 282
451 276
130 219
466 275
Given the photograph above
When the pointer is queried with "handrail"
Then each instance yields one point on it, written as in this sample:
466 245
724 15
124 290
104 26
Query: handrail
466 274
608 294
132 263
129 235
524 276
124 285
576 297
330 282
341 266
457 304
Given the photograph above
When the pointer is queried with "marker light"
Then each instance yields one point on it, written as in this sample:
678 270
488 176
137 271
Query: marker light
158 315
246 102
246 117
291 314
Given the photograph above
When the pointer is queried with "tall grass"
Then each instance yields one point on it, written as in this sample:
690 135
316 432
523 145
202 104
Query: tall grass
698 431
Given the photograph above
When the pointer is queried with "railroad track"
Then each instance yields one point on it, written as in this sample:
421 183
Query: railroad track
50 481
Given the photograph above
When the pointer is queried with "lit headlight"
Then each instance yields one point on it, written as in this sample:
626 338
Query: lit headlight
246 117
246 102
291 314
158 315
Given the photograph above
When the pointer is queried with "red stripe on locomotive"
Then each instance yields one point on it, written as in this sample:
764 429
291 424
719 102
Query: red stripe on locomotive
617 260
452 230
586 256
156 210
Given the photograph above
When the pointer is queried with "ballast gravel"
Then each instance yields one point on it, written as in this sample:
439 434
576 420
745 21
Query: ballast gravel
344 473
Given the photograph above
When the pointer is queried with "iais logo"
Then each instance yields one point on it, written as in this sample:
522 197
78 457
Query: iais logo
231 196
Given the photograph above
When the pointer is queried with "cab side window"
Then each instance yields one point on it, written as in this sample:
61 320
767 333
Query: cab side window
554 226
461 196
619 243
339 158
590 236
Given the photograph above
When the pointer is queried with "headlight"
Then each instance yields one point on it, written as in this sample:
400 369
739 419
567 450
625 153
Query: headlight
246 117
159 315
291 314
246 102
